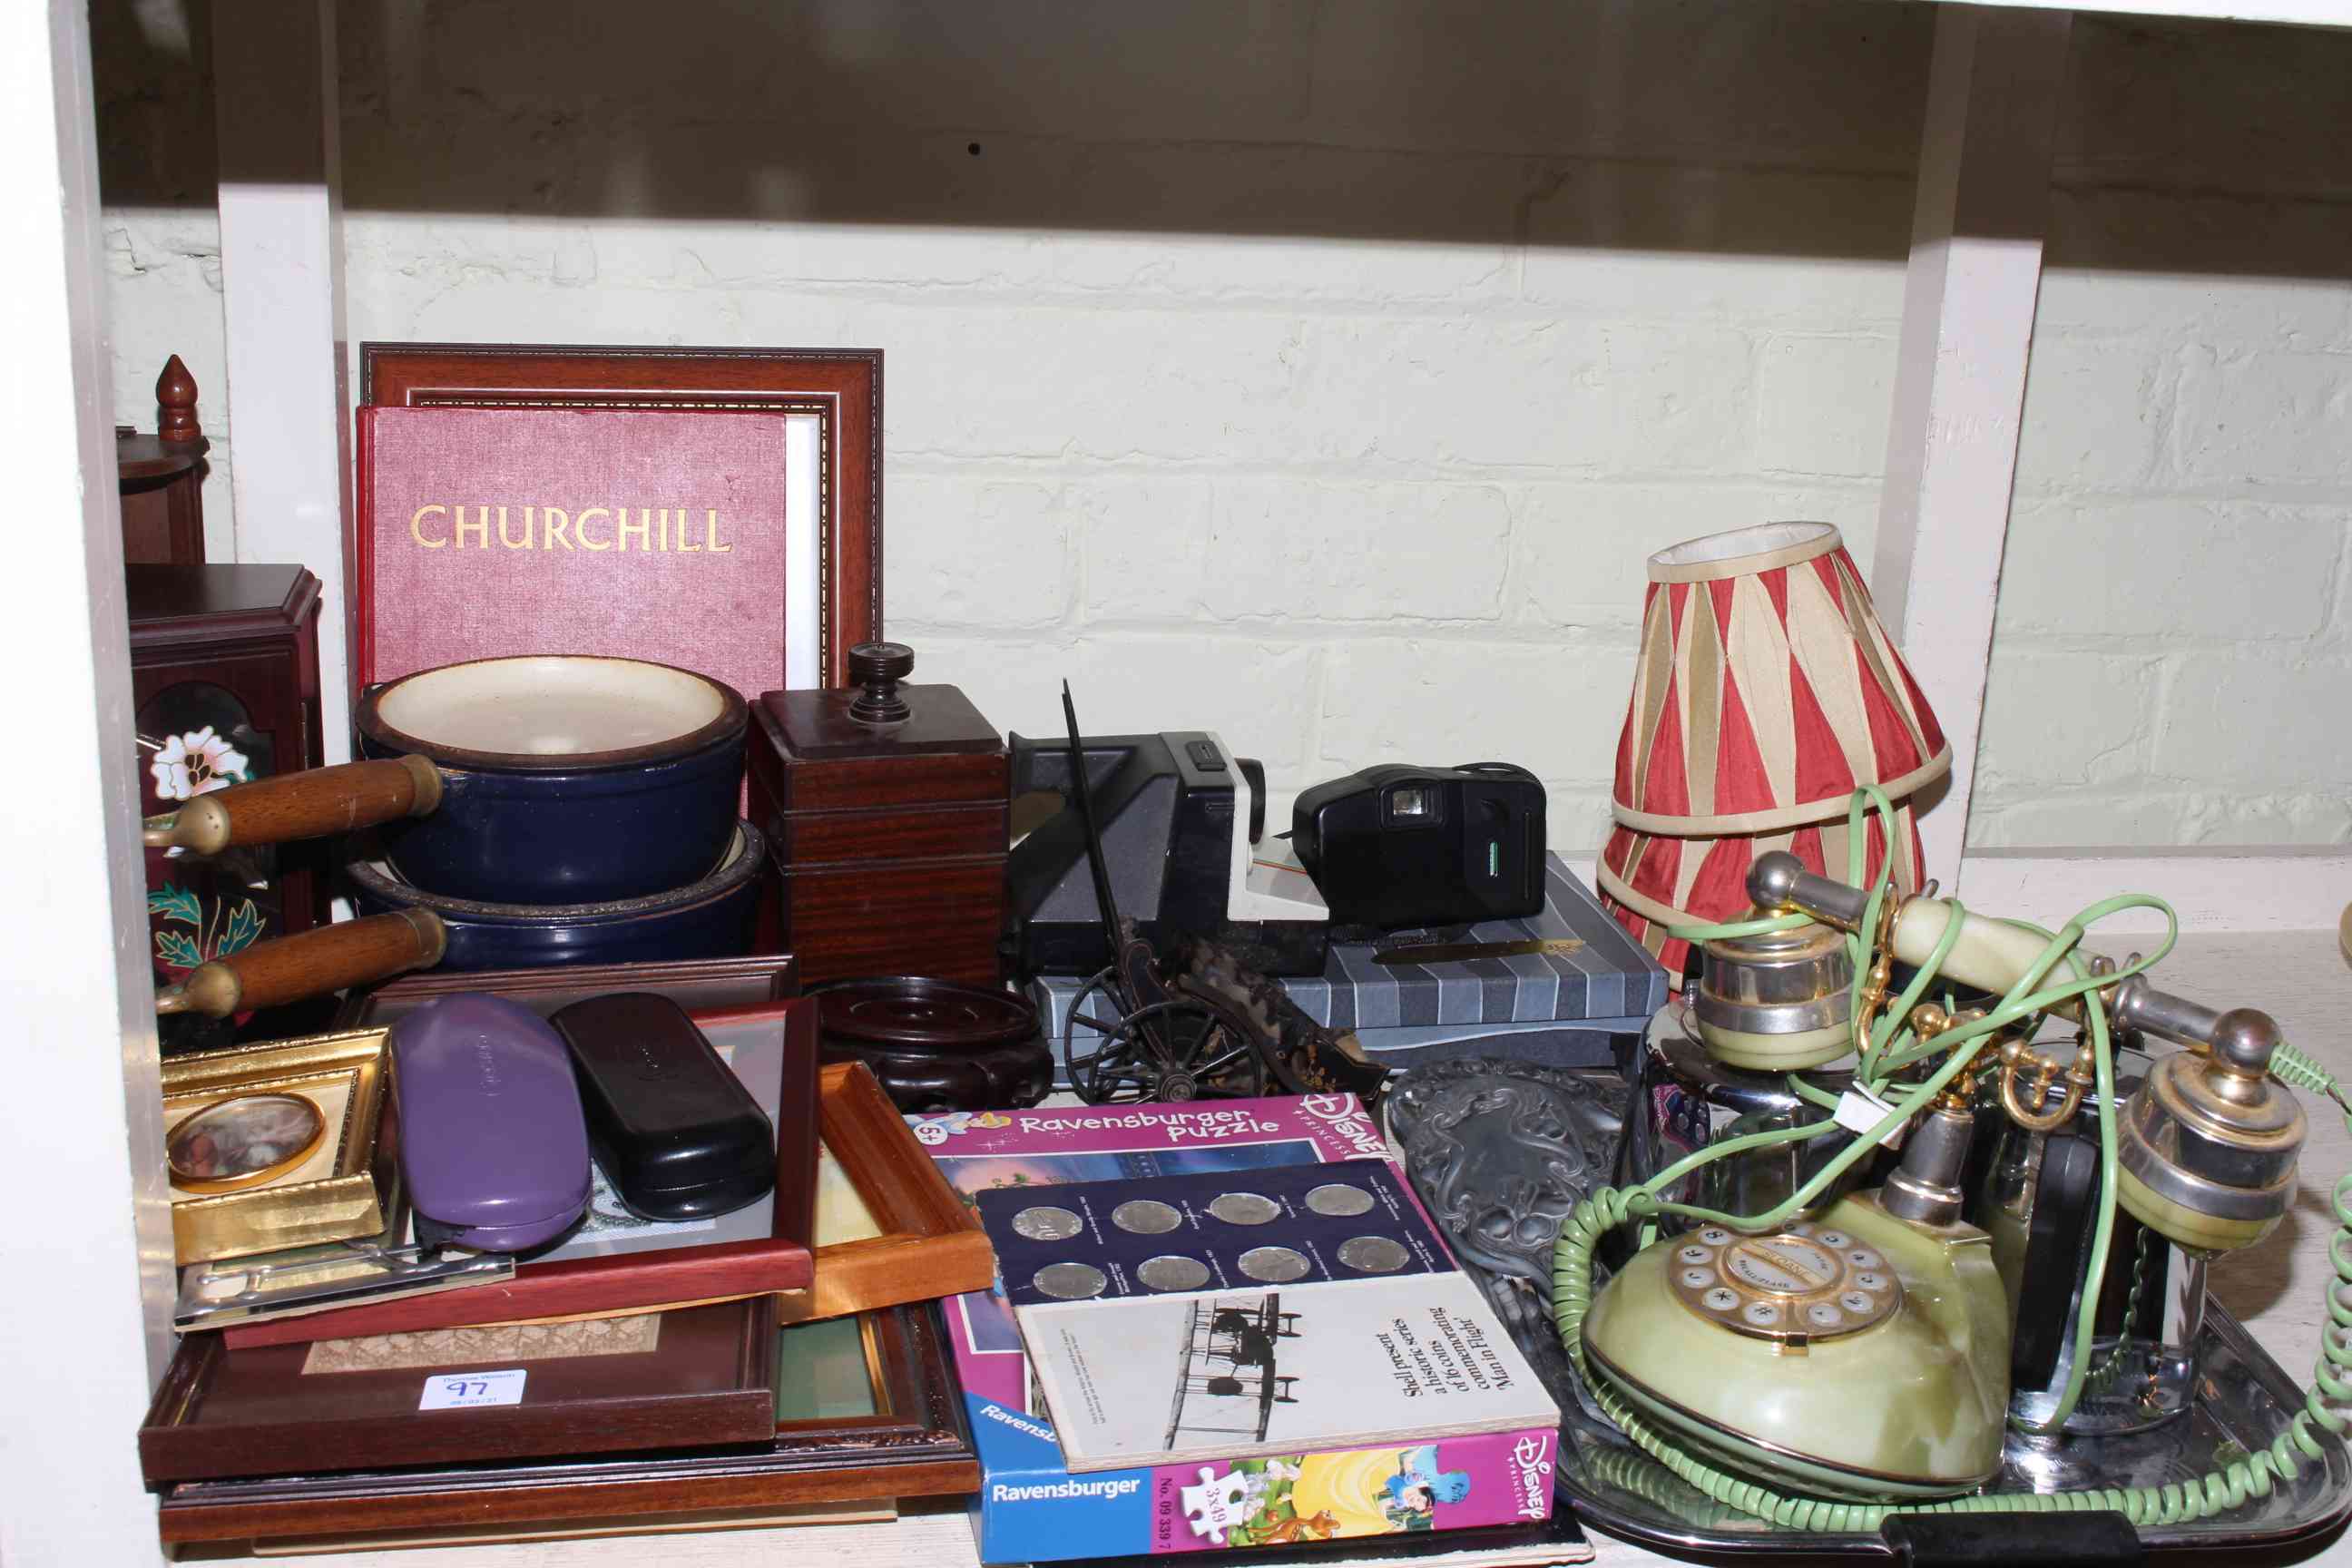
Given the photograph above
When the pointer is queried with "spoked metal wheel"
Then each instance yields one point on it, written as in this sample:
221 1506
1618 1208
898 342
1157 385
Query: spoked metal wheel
1172 1051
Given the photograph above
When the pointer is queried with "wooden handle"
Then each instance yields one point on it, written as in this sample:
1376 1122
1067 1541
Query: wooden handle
270 973
307 805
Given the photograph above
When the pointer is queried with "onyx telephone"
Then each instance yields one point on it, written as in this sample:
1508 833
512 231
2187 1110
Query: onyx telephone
1846 1351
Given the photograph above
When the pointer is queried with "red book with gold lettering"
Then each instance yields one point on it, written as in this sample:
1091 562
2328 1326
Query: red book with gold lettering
664 534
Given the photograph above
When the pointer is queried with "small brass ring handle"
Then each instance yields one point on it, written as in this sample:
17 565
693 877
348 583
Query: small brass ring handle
1877 989
1878 986
2039 1121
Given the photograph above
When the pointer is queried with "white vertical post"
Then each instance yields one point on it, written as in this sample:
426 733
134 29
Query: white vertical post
1959 384
281 222
85 1233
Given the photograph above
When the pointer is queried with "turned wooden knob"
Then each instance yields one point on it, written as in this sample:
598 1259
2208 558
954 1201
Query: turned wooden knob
878 667
175 405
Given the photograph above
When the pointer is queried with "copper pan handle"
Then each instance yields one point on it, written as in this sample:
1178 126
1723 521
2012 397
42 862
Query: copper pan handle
270 973
311 803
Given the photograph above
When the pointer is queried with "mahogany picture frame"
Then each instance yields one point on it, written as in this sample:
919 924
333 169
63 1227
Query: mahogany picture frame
842 386
674 1277
222 1412
915 1446
696 984
930 1242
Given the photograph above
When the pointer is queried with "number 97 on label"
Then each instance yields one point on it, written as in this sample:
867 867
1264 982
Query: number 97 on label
472 1390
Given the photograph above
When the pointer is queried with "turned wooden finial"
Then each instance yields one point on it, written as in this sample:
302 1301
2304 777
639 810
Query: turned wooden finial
175 405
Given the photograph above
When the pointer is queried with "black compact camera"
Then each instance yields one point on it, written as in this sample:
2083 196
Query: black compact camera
1393 846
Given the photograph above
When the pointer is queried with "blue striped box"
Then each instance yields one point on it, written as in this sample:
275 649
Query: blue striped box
1559 1008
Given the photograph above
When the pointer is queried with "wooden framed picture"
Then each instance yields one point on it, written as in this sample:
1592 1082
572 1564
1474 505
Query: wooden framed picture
618 1263
715 509
888 1227
696 984
701 1376
865 1408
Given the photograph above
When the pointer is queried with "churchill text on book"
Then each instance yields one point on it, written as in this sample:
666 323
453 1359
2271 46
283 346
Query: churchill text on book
665 529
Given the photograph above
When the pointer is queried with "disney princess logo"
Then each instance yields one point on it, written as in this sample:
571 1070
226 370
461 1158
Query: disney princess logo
1347 1117
1531 1462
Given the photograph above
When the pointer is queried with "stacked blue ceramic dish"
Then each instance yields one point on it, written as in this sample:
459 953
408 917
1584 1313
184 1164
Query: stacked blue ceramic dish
587 811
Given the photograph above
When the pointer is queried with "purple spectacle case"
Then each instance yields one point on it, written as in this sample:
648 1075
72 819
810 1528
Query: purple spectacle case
492 1140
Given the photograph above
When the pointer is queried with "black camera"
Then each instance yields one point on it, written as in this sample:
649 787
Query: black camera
1392 846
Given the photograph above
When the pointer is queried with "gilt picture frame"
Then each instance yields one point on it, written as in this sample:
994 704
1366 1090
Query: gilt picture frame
337 1194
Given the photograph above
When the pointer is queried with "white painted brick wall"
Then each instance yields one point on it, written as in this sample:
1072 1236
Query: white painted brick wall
1323 375
164 275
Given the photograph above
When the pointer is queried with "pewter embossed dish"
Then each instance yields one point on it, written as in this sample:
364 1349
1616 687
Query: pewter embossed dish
1501 1151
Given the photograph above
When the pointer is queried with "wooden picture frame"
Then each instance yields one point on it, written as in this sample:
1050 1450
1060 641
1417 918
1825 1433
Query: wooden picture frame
927 1242
708 1378
915 1445
842 387
696 984
674 1277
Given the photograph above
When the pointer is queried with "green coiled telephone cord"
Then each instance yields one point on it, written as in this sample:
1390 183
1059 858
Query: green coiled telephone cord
1890 1048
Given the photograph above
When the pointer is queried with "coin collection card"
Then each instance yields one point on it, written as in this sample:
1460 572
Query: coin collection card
1213 1230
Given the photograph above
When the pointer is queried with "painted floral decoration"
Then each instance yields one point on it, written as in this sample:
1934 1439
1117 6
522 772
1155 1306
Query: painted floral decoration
196 763
219 931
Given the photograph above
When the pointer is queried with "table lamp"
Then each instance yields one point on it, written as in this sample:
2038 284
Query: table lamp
1764 692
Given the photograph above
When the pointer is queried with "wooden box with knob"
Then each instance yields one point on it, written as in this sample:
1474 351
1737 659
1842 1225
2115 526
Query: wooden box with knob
884 807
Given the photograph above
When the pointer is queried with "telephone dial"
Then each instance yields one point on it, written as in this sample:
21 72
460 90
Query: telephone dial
1846 1352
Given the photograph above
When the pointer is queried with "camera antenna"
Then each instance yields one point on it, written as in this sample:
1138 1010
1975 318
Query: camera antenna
1085 794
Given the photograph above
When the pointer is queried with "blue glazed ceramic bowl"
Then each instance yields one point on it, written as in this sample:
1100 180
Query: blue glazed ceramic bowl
709 916
565 779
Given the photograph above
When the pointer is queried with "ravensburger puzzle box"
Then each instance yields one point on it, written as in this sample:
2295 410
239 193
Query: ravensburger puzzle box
1031 1508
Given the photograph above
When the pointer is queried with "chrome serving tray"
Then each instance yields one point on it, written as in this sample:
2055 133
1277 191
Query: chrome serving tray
2244 1402
1497 1149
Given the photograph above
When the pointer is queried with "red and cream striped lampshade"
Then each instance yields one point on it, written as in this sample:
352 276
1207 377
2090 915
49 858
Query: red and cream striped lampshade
1764 692
1651 881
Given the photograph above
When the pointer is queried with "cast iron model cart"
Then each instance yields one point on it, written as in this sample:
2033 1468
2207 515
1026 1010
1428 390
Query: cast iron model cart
1200 1026
1160 1044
